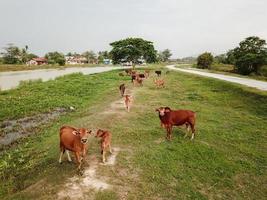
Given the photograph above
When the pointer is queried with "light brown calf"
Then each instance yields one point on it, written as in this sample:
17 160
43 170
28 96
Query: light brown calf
127 102
159 83
73 139
105 142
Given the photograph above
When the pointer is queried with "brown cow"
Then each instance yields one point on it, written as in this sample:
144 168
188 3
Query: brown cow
73 139
122 89
147 73
105 142
127 102
159 83
170 118
138 80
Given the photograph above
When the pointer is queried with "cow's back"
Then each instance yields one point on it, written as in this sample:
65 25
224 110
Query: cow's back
67 138
180 117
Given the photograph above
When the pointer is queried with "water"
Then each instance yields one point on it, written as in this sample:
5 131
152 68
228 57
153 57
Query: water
9 80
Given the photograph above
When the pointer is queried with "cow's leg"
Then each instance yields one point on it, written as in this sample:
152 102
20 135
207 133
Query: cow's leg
68 154
192 126
62 150
170 133
187 130
60 157
110 149
104 156
78 159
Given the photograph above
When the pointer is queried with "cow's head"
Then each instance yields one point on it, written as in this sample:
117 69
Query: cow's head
100 133
163 110
83 134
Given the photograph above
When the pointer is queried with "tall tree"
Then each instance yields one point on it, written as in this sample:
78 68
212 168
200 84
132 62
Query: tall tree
250 55
90 56
164 55
12 54
55 58
133 49
204 60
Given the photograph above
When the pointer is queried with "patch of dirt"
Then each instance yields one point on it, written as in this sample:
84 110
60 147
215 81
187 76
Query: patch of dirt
12 130
77 187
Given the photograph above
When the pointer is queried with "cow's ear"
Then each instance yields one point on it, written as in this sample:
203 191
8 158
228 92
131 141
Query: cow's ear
75 133
167 109
157 110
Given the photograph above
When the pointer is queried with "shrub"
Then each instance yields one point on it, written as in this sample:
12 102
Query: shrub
205 60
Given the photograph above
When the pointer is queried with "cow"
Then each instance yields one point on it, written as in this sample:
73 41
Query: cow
73 139
159 82
127 102
122 89
170 118
105 142
158 72
147 73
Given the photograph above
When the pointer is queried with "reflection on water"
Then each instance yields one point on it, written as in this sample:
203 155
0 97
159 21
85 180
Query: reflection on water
10 80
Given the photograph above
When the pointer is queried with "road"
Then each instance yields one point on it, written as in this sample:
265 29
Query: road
261 85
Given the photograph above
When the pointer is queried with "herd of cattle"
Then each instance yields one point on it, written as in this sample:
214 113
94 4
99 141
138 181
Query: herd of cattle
75 139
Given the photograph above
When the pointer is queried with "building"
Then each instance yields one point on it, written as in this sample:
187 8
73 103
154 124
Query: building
75 60
37 61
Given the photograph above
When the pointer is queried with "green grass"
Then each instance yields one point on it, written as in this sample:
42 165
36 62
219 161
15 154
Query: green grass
227 159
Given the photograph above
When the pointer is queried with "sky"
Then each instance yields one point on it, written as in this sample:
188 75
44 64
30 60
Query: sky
186 27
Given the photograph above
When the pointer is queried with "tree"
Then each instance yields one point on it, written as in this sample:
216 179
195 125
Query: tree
249 56
90 56
132 50
55 58
164 55
221 58
12 55
204 60
103 55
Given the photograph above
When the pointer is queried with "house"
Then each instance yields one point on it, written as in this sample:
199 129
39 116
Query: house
37 61
75 60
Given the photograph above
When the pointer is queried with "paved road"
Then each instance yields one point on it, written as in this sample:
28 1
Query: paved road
261 85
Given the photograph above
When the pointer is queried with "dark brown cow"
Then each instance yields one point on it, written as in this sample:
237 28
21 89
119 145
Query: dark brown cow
122 89
170 118
105 142
158 72
73 139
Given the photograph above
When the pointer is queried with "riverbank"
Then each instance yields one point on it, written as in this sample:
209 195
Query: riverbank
7 68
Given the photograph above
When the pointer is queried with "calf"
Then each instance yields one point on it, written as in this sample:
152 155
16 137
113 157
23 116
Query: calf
170 118
128 71
158 72
127 102
141 76
105 142
159 83
138 80
147 73
73 139
122 89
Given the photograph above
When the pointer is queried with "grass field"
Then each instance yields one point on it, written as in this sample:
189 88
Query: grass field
227 159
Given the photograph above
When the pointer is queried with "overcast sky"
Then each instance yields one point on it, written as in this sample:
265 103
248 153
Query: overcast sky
186 27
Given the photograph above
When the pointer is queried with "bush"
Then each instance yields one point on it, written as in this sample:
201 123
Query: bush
205 60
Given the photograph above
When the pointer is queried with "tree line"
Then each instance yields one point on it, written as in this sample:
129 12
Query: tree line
132 50
248 57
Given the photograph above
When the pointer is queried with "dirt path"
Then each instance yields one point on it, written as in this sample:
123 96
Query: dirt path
77 187
261 85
